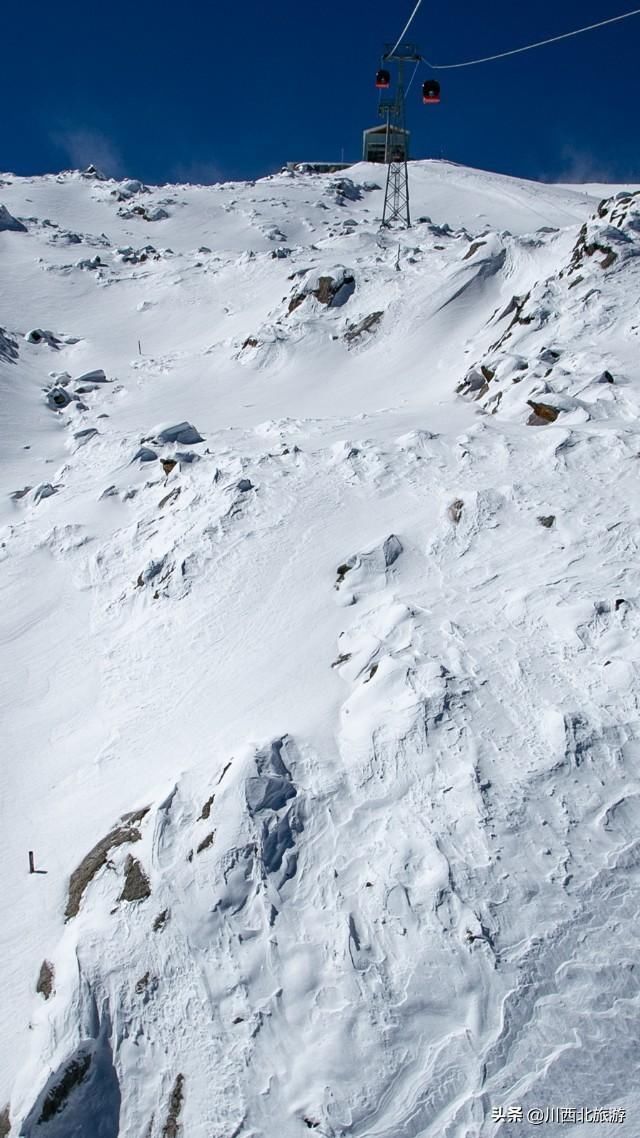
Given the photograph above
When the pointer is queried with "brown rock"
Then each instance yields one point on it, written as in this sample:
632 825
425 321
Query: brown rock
366 325
206 842
44 987
136 882
206 809
172 1126
81 877
473 248
326 290
543 413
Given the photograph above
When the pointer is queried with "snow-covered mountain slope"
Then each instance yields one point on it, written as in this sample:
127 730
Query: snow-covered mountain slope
320 631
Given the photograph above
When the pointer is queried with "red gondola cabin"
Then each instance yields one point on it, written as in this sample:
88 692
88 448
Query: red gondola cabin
383 79
431 91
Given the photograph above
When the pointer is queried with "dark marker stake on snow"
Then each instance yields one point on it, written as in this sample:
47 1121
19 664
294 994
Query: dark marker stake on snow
32 867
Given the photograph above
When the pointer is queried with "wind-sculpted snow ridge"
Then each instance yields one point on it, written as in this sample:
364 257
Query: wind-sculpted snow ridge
560 386
322 634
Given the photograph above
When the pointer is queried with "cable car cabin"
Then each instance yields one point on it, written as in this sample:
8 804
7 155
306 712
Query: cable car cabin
383 80
431 91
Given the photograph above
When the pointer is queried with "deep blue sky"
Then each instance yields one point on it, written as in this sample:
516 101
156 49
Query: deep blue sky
226 89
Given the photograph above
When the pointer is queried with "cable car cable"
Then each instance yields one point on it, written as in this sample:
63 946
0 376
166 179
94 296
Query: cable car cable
405 29
409 84
530 46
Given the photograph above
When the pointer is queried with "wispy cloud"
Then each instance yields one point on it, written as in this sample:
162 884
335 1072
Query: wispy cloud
199 172
84 145
579 165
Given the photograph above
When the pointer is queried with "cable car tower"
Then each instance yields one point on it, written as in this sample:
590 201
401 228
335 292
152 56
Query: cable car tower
396 196
396 151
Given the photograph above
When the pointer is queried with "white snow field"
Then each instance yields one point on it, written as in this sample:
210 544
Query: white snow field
320 627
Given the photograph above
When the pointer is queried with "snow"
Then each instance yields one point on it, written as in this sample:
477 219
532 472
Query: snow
287 577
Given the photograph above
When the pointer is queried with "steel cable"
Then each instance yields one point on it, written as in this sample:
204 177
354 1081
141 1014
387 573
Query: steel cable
529 46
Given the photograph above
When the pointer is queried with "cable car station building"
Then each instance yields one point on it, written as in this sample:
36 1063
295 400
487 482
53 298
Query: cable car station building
374 141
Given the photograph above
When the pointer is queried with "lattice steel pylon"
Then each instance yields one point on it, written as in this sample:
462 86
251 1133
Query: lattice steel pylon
396 197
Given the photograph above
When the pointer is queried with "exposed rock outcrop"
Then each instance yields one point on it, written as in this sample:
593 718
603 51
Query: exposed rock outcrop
10 224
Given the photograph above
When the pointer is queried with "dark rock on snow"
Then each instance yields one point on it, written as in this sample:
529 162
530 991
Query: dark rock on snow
9 224
144 454
542 413
44 987
136 882
184 433
367 324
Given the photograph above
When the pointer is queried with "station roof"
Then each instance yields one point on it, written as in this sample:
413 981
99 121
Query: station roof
382 129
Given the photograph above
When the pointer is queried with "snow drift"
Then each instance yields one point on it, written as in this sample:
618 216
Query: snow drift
321 629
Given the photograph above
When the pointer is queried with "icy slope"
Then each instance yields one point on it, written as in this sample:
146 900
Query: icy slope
353 646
